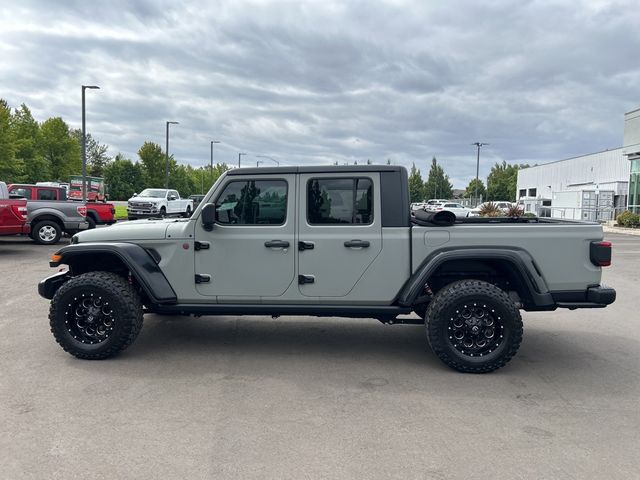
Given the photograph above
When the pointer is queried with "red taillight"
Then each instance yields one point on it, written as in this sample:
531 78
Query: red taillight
82 211
600 253
438 209
20 212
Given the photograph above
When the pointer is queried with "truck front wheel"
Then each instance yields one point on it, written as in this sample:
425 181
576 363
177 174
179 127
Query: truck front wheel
95 315
473 326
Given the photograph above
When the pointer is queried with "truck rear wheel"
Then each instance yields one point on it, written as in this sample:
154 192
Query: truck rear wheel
95 315
473 326
46 232
187 213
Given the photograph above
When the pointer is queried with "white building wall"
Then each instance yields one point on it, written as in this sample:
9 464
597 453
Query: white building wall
632 133
608 170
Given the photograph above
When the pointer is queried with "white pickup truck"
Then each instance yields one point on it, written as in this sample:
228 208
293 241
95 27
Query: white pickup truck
158 202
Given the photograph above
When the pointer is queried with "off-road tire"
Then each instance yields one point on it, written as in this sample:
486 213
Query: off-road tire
122 299
450 301
40 237
91 222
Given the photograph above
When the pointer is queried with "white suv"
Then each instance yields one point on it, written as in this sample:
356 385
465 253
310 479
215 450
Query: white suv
458 210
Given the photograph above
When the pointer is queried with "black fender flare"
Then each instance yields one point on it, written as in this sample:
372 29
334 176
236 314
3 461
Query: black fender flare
142 264
519 259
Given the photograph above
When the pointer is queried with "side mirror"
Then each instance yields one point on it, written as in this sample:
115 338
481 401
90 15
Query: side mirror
208 215
172 197
134 195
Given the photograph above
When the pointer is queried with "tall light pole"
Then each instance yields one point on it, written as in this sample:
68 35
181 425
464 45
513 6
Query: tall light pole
266 156
240 158
479 145
211 166
84 142
166 156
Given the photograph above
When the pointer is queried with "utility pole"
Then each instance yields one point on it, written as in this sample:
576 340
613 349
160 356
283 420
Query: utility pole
166 156
479 145
84 143
240 158
211 166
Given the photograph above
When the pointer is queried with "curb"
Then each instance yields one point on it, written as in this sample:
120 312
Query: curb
623 230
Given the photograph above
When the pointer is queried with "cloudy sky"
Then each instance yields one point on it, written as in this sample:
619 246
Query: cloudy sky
317 82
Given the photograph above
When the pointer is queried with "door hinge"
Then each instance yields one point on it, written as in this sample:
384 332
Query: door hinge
202 278
201 245
304 279
306 246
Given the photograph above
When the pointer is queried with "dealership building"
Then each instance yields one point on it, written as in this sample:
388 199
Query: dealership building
596 186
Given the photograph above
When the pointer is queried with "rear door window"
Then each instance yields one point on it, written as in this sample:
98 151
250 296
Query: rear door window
47 194
342 201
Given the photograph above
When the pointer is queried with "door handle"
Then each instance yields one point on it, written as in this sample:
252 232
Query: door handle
306 245
356 244
276 244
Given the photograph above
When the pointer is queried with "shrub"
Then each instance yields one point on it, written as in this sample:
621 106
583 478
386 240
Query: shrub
515 211
629 219
490 210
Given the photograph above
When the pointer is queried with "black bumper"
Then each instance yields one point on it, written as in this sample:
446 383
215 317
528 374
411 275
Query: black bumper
48 287
594 297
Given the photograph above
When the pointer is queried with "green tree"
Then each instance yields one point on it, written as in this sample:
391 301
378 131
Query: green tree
97 157
153 164
26 134
123 178
9 166
59 149
416 185
470 191
438 184
502 181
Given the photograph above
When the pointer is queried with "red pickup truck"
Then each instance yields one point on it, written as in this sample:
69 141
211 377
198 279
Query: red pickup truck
13 214
98 213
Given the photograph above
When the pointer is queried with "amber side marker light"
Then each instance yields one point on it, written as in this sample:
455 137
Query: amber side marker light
55 258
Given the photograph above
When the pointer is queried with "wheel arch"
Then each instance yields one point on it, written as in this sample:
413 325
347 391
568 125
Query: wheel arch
47 216
123 258
515 265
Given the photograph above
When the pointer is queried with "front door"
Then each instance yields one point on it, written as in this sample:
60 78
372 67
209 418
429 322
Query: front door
250 250
340 231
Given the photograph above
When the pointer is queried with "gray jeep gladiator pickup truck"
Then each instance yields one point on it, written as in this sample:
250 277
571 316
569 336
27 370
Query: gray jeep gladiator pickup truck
327 241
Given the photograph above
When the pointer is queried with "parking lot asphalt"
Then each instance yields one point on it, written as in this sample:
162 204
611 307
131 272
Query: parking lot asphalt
301 397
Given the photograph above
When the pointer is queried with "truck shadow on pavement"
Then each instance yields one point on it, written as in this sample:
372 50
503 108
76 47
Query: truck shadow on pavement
263 346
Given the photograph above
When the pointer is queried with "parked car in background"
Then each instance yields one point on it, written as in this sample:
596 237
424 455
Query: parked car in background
502 205
13 214
458 210
158 202
98 213
196 200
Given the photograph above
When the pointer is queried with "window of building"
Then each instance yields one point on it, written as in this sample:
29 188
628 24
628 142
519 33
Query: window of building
340 201
634 186
522 193
533 192
253 202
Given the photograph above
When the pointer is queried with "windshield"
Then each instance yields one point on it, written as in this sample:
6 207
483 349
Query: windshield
150 192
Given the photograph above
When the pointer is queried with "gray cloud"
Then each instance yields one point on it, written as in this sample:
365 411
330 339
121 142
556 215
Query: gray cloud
316 82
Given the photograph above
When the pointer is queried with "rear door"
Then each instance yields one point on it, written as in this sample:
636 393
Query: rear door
251 250
339 231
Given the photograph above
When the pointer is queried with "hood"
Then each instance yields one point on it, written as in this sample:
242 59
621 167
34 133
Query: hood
145 199
126 231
